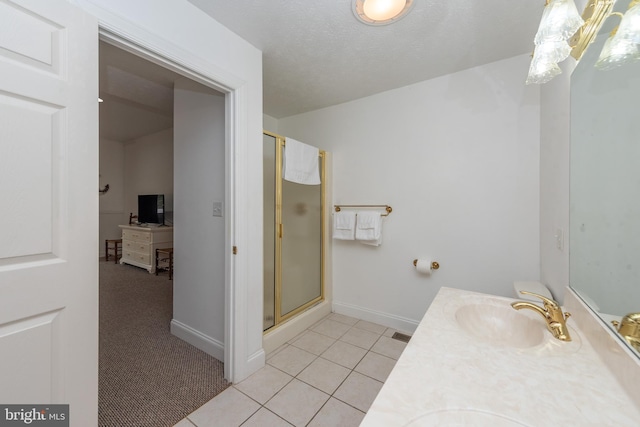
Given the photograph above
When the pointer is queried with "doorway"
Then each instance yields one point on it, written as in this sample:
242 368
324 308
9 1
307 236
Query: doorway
154 122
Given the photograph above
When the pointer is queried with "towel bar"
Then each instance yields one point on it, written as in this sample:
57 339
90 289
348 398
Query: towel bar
386 207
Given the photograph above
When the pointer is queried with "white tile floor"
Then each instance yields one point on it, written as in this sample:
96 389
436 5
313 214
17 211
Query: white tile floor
327 376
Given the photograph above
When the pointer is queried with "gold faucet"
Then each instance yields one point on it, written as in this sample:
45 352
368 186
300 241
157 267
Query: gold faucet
630 329
552 314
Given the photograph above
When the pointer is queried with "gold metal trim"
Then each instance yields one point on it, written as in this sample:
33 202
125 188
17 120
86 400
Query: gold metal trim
630 329
386 207
551 312
594 15
278 267
275 135
279 318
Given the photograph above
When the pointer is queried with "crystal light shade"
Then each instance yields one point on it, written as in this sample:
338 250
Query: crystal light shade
629 28
543 66
617 51
553 51
624 44
560 20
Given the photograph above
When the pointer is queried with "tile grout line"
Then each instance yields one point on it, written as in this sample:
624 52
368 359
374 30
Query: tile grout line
312 386
351 370
316 357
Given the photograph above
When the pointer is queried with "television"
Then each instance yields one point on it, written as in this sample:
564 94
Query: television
151 209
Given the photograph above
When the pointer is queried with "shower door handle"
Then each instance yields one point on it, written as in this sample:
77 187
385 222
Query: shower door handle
280 233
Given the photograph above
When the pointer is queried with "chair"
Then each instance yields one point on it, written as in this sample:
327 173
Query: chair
114 245
165 255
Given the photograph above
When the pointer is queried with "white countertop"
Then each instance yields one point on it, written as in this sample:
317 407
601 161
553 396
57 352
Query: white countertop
448 376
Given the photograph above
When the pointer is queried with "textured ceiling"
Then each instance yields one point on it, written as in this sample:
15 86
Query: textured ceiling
137 94
317 54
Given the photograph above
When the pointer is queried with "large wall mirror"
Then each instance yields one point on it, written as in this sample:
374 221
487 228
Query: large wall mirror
605 185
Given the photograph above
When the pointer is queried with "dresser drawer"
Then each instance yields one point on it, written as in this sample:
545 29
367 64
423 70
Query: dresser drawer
136 256
135 246
139 236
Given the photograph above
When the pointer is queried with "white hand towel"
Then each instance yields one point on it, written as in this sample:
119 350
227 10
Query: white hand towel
369 228
344 225
301 163
376 242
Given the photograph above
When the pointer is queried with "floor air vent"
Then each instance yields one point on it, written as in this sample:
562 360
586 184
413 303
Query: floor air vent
401 337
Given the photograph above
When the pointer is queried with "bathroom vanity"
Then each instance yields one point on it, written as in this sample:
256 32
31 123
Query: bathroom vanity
474 360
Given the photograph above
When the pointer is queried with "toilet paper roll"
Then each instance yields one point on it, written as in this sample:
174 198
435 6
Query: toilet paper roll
424 266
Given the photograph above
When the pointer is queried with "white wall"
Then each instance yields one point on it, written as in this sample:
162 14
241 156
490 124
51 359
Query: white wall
148 170
179 31
141 166
112 202
457 157
555 202
555 112
269 124
199 240
555 139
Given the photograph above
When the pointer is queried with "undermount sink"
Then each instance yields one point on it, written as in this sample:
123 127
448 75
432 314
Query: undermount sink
462 418
500 325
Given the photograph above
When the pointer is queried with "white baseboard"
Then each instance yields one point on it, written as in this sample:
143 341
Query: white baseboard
197 339
399 323
255 361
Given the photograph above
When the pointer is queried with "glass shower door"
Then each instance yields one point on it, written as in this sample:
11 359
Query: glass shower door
293 238
301 266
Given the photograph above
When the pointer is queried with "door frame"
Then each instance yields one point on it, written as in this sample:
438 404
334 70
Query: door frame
235 335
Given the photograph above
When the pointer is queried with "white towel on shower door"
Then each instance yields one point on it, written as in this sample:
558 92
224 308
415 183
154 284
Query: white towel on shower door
301 163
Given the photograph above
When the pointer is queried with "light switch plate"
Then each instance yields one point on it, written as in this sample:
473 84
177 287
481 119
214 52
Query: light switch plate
217 208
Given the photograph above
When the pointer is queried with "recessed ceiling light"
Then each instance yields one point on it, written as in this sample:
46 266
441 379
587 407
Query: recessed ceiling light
381 12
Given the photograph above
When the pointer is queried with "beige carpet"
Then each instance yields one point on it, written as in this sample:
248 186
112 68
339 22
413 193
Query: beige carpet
147 376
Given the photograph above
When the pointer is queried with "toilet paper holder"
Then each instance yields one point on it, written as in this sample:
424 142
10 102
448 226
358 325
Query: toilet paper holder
434 265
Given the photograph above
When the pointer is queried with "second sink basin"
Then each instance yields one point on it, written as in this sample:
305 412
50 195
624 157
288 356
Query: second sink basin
501 325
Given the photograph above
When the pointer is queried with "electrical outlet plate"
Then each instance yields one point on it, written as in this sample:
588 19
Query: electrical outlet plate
559 235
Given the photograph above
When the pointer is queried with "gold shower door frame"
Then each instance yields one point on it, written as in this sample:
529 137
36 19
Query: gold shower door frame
280 229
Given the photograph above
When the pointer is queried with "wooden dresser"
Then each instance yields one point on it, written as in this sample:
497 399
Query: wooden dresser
139 245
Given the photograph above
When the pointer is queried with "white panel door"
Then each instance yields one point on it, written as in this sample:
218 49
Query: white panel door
49 206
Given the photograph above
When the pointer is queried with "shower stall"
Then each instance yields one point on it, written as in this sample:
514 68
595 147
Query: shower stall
293 239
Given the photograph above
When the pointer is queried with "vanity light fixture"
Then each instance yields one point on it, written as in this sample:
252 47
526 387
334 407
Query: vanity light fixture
381 12
621 47
594 15
560 20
